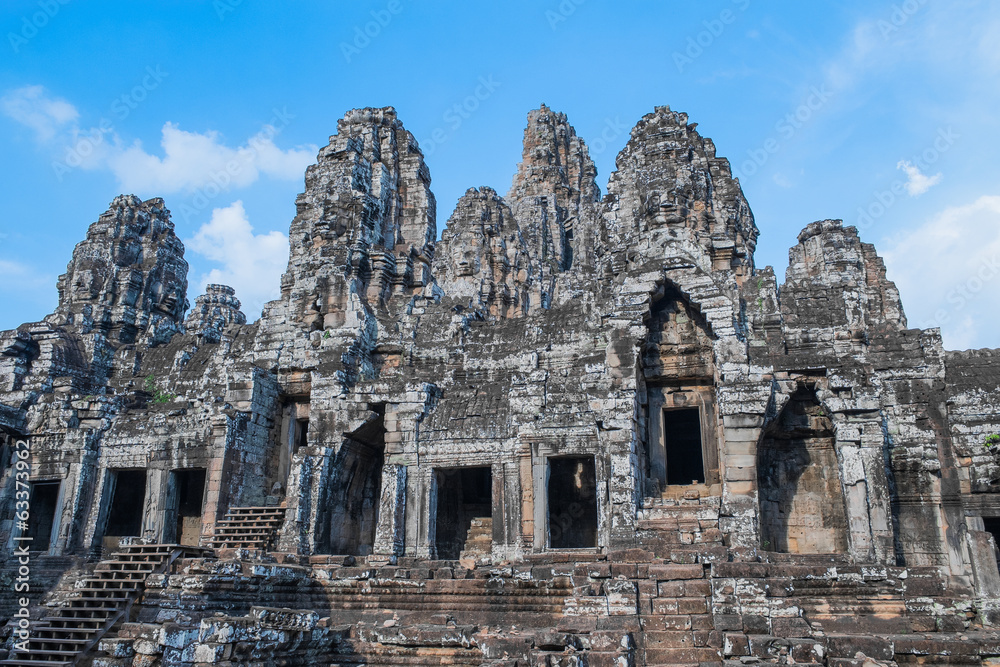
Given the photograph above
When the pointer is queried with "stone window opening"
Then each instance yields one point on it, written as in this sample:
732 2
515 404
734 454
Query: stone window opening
681 431
185 502
572 503
44 505
684 446
463 517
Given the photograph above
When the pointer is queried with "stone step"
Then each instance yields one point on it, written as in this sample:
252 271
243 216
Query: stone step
251 528
479 538
62 636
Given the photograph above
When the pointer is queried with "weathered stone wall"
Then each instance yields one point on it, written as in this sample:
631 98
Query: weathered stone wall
548 331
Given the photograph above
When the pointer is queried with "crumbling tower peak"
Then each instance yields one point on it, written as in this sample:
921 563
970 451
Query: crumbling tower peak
128 278
554 197
213 311
669 177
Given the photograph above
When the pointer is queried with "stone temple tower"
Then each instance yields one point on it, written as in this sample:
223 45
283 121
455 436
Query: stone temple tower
576 429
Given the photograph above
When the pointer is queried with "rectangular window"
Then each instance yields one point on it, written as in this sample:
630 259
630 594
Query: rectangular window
301 433
682 440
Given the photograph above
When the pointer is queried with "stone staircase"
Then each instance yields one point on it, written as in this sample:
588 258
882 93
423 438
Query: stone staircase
479 539
94 608
250 528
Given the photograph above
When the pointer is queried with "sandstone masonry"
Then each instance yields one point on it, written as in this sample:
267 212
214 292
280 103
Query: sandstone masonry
576 430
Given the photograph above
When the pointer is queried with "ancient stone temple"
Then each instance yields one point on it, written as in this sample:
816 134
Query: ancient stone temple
577 429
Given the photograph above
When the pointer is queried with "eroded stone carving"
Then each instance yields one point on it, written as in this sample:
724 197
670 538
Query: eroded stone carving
625 438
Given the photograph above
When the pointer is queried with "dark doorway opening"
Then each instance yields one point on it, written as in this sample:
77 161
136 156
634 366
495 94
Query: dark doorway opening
128 499
355 489
572 503
187 493
682 440
42 514
463 524
991 524
301 437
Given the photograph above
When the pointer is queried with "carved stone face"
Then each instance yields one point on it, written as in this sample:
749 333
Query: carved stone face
164 299
466 265
86 285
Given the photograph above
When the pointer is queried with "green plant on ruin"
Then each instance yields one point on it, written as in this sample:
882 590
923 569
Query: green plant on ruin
992 440
326 334
159 396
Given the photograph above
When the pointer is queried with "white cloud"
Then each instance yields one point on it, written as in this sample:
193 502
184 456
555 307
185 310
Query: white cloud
34 108
948 273
251 263
192 160
917 183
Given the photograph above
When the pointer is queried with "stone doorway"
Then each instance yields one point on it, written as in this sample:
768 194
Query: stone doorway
185 498
44 501
463 521
292 435
802 507
126 494
572 502
354 490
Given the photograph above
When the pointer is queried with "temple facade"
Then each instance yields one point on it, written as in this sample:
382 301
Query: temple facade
566 379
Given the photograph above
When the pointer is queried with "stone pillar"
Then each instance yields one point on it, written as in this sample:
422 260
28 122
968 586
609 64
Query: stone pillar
422 489
861 455
390 533
154 515
299 534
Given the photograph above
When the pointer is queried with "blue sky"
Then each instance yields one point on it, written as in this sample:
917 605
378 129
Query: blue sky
880 113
